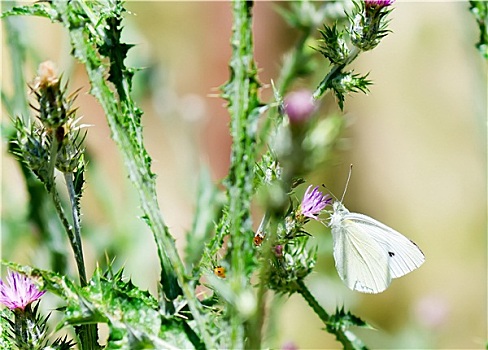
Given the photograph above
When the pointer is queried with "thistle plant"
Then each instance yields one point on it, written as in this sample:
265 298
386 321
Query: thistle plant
28 329
276 145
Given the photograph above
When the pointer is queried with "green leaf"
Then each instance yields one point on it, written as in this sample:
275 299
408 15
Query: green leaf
41 9
117 51
339 324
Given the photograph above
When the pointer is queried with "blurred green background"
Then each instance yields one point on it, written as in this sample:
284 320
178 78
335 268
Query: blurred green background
417 142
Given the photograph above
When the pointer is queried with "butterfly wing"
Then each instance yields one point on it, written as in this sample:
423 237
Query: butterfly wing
362 263
404 255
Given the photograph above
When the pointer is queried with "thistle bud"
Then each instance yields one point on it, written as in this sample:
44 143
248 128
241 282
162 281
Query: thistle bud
32 146
54 107
369 25
299 106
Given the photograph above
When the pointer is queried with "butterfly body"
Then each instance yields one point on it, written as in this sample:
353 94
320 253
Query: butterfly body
367 253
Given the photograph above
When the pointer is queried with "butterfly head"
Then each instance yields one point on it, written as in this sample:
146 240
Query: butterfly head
339 208
338 213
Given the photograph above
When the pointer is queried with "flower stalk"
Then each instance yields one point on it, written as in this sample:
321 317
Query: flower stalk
243 105
68 177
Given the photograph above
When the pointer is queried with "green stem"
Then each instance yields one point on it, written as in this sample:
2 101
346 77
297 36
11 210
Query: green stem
68 177
53 155
349 340
20 329
71 235
87 333
28 330
241 92
143 181
325 83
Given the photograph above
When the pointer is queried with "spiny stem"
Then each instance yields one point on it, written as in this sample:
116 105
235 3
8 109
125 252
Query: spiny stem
20 328
76 225
346 337
71 235
241 91
324 84
87 333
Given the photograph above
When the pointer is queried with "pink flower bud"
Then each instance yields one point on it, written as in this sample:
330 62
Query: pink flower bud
278 250
299 106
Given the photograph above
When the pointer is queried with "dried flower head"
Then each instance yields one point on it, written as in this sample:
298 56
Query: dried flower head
54 105
314 202
18 292
47 75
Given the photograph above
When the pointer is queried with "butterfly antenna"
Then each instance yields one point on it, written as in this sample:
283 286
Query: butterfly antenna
347 183
328 190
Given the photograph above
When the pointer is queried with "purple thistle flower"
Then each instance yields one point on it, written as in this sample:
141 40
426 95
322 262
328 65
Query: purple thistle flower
18 292
380 3
314 202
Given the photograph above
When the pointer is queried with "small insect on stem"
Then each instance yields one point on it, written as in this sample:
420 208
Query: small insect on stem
219 271
259 236
258 239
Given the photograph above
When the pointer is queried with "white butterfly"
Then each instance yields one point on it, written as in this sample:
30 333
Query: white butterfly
367 253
